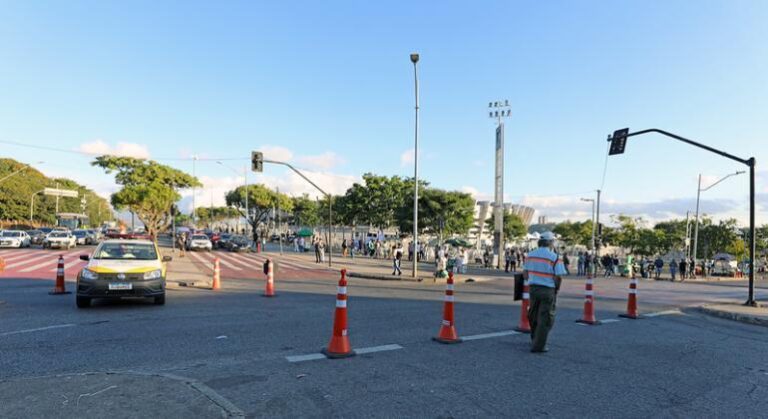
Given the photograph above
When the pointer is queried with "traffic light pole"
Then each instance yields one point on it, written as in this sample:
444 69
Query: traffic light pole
751 163
330 203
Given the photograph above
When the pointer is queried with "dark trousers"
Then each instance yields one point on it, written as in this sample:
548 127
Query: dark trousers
317 255
541 315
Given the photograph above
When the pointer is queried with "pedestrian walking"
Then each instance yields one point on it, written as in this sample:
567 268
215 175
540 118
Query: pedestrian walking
397 259
659 263
566 263
317 250
580 264
683 269
344 248
673 268
182 242
507 259
321 249
544 270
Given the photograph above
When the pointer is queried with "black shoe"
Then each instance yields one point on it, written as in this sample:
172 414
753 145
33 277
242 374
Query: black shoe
540 351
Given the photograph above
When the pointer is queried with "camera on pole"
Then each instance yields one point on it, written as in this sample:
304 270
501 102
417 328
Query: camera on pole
618 141
257 161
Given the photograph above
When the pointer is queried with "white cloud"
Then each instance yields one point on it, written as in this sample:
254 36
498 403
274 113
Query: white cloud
276 152
479 196
99 147
407 157
324 161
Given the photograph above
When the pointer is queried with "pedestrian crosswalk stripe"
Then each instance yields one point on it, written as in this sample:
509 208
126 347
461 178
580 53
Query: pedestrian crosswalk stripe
491 335
237 260
53 261
26 261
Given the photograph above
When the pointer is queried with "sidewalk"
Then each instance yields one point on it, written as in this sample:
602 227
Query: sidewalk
737 312
381 269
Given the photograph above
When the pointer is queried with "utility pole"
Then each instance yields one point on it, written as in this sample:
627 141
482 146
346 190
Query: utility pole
599 242
279 221
194 191
696 228
499 110
414 60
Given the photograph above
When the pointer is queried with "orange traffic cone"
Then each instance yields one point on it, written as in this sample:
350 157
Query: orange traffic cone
2 264
524 326
270 290
216 275
59 288
632 301
589 304
448 328
339 346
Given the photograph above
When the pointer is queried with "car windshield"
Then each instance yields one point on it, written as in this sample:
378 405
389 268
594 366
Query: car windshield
34 232
79 233
11 234
199 237
136 251
59 234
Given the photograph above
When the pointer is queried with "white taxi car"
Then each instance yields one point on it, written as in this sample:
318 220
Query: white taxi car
59 239
120 269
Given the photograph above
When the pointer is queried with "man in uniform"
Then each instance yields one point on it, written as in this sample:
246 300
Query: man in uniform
544 270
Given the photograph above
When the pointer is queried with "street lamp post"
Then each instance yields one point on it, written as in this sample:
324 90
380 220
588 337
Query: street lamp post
499 110
245 185
25 167
696 228
194 191
414 60
593 220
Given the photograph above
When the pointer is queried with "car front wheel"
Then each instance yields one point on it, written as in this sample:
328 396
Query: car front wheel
83 302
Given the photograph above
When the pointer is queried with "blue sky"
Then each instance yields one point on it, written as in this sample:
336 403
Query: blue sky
330 86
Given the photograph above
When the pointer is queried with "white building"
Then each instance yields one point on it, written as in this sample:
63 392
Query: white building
484 211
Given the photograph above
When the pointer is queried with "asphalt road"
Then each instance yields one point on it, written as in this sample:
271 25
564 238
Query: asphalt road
208 354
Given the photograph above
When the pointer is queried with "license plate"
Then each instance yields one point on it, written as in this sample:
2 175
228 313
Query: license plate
120 286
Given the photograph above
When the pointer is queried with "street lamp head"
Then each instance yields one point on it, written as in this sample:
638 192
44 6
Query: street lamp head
414 58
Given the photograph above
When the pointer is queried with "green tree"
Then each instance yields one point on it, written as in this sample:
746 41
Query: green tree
261 201
671 235
579 232
514 228
449 212
149 189
306 211
211 215
715 238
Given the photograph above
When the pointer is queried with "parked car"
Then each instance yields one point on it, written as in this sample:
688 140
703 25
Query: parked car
238 244
95 234
224 238
82 237
46 230
36 236
122 268
199 242
15 238
59 240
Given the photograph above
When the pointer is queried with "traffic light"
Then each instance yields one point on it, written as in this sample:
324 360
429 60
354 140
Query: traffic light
618 141
257 161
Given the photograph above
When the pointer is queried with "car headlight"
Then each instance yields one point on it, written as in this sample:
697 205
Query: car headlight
89 274
156 274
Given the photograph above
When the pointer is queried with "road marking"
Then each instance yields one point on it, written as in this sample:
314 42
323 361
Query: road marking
382 348
610 321
39 329
17 255
663 313
26 261
302 358
234 259
69 264
361 351
491 335
54 260
221 260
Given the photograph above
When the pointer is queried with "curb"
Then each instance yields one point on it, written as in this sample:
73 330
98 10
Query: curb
742 318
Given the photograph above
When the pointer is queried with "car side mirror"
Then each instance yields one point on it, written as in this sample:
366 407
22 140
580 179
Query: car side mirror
167 258
85 257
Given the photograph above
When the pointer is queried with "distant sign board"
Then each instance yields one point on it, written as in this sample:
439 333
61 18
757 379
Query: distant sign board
60 192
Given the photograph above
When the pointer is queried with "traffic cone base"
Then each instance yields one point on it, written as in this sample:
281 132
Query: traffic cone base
590 322
447 341
337 355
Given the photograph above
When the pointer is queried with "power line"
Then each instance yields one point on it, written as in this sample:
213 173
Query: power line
85 153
